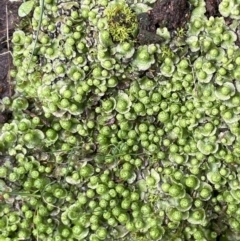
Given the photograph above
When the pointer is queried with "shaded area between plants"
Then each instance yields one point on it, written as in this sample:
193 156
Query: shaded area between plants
172 14
8 19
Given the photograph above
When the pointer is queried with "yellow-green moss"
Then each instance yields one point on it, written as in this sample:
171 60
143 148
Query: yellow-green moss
122 21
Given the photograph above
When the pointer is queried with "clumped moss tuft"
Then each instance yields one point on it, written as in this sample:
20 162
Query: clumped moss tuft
122 21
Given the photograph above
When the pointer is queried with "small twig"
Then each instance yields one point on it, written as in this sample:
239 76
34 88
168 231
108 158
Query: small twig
9 60
7 27
8 52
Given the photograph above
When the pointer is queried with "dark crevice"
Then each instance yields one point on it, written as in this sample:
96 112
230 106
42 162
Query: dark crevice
172 14
212 8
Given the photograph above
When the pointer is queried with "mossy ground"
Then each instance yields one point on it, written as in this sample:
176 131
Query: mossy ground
6 49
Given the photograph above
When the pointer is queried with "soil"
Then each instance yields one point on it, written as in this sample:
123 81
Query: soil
172 14
212 8
8 20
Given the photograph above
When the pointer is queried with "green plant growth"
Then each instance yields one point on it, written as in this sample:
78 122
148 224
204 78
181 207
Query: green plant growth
122 21
113 140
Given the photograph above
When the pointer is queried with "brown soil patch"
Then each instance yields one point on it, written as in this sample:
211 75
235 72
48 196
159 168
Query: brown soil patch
212 8
8 20
173 14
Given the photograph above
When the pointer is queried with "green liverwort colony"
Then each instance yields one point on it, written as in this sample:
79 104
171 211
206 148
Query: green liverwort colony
117 141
